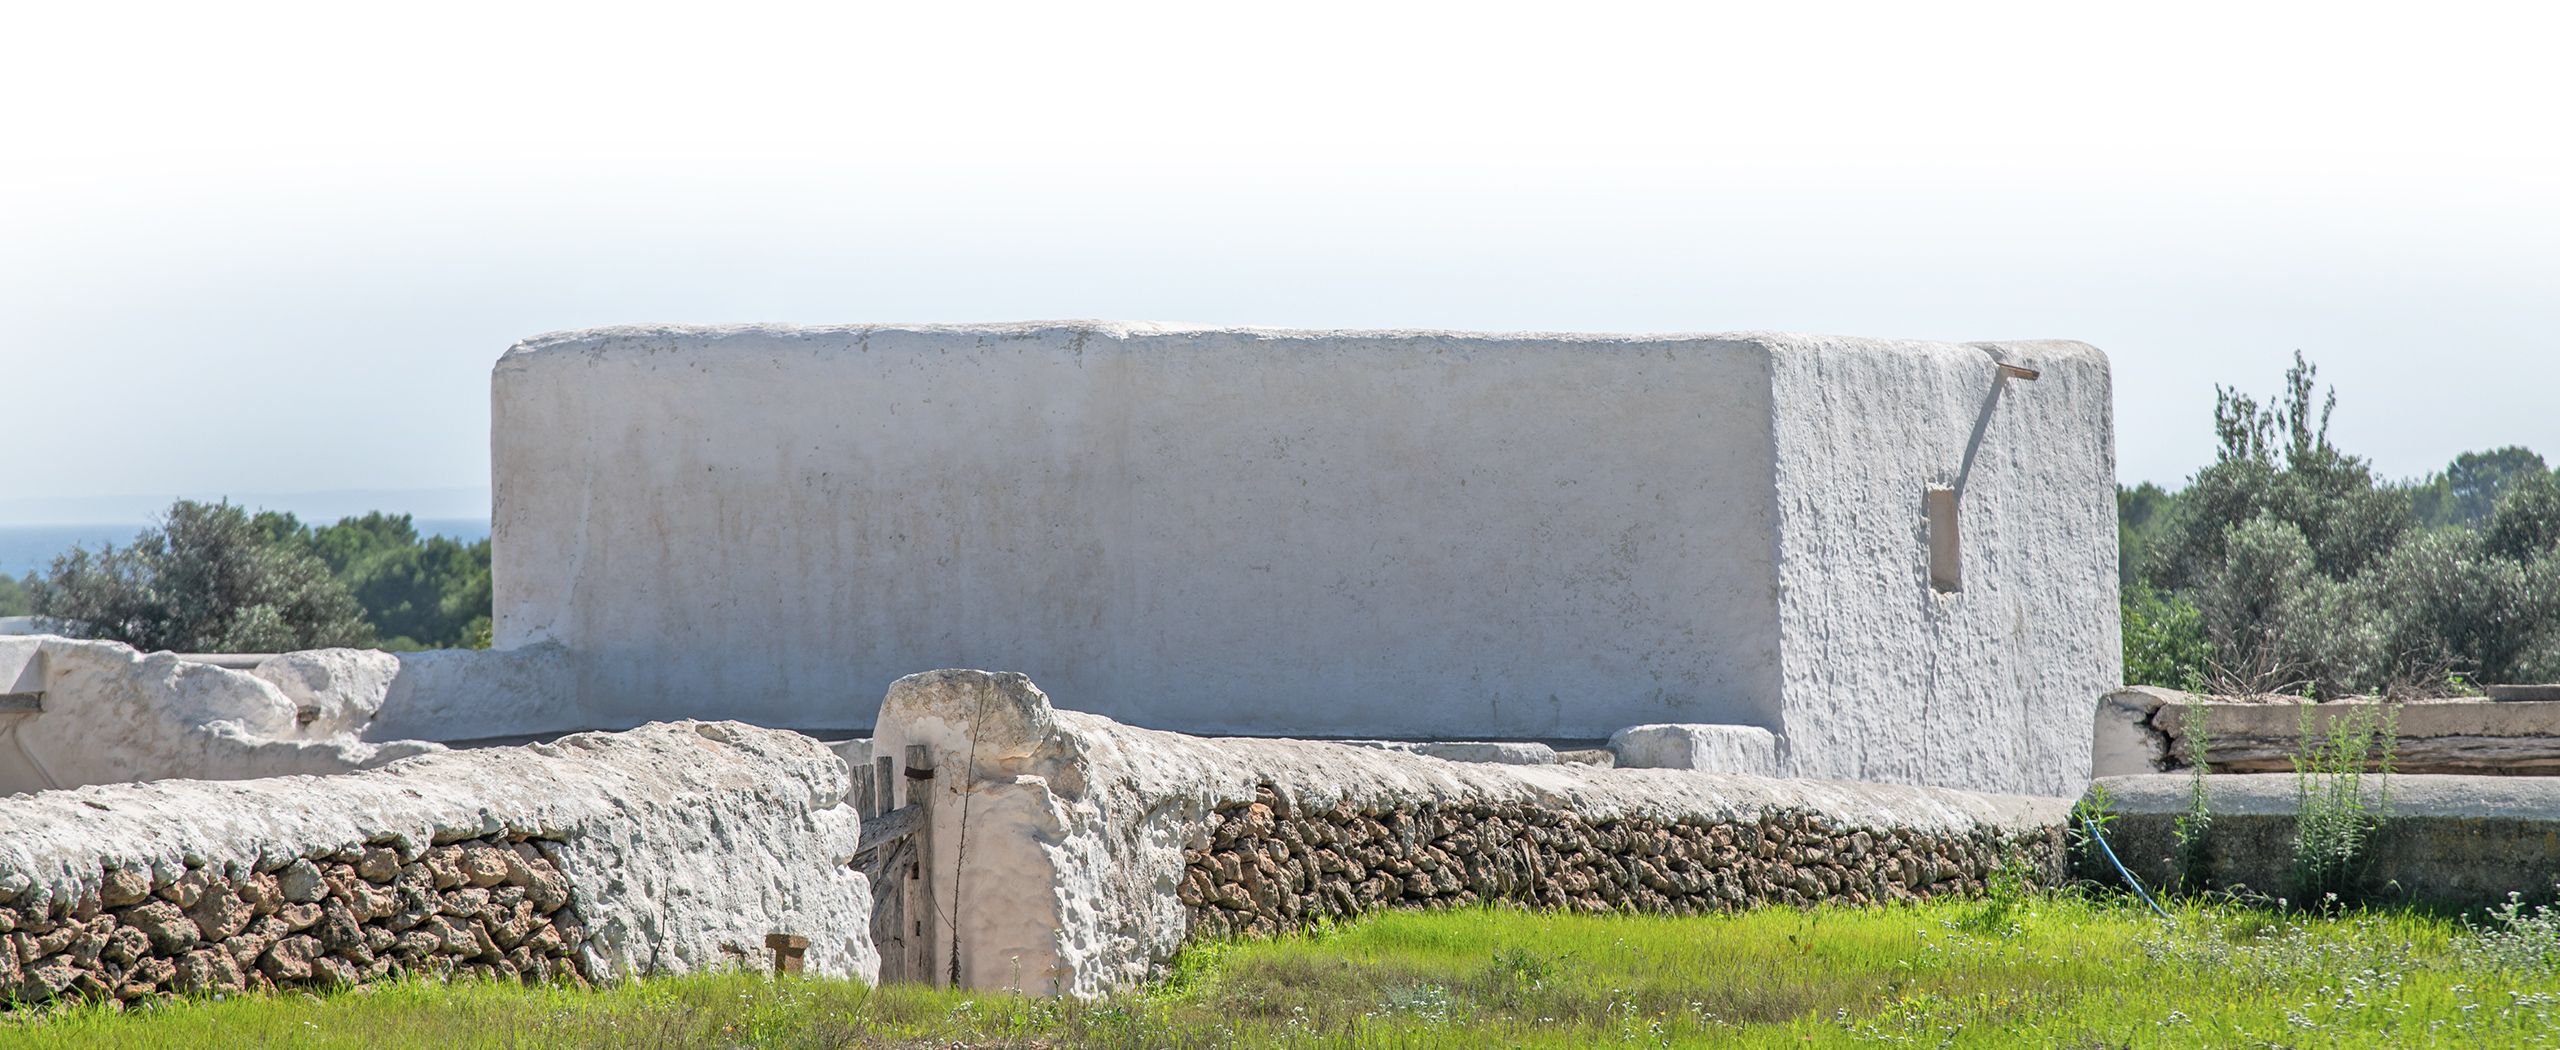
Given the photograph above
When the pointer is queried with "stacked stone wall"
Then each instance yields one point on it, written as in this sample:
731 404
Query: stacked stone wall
487 907
669 848
1078 826
1270 867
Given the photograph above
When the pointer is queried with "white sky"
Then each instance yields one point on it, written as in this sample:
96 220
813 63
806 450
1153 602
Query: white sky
274 250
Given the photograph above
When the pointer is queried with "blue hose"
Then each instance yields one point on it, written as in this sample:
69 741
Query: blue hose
2129 880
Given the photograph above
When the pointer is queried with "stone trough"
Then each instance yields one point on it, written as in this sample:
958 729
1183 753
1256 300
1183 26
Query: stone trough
2454 841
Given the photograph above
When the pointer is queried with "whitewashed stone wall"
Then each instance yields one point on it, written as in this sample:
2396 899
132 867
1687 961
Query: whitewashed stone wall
109 714
670 848
1083 853
1410 535
1886 678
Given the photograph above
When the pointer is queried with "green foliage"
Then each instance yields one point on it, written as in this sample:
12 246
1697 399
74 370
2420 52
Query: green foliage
2337 814
2195 826
2525 526
2143 512
2091 815
2312 576
2009 897
2474 485
215 578
2525 940
2448 606
2275 622
2164 643
2082 973
2277 463
417 593
14 599
210 578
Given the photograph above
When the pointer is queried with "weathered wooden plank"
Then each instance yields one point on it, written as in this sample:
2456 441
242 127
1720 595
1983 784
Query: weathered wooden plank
920 897
889 827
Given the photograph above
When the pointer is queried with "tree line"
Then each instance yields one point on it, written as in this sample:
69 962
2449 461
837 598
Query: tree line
2288 566
214 577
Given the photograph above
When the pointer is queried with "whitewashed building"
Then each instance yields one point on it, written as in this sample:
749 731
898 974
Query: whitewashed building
1896 556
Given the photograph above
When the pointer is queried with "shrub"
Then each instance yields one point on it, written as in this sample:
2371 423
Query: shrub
210 578
2336 814
2164 643
416 593
14 600
2311 576
2278 624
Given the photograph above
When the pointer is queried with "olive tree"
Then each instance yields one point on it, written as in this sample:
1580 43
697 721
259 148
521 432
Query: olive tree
210 578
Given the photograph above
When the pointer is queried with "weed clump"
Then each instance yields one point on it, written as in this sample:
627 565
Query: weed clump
2337 815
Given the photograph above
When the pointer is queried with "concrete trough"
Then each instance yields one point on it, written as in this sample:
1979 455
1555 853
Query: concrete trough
2453 841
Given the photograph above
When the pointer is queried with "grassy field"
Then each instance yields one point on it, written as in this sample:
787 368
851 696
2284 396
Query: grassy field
2037 971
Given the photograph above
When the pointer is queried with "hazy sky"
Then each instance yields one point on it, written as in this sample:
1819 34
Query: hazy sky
273 250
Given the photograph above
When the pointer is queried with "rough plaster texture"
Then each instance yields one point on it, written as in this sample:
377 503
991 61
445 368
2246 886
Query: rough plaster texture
2466 841
1064 835
1886 678
111 714
1710 749
683 844
479 694
1503 752
334 691
1397 534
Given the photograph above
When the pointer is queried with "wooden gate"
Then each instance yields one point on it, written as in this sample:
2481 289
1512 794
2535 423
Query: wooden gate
897 854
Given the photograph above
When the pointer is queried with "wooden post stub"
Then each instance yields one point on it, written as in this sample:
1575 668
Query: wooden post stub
920 896
788 949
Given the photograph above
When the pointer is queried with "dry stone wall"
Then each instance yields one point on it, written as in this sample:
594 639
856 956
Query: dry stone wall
665 849
1082 854
1270 867
488 907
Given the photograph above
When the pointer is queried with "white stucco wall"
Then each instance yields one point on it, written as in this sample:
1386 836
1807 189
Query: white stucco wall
1387 534
1396 534
1886 678
470 695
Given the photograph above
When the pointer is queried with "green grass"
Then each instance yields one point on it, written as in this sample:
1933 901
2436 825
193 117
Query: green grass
2028 971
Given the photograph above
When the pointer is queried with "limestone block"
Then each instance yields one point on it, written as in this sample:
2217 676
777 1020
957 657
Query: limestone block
112 715
2448 736
1705 748
333 690
480 694
1508 753
2124 741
